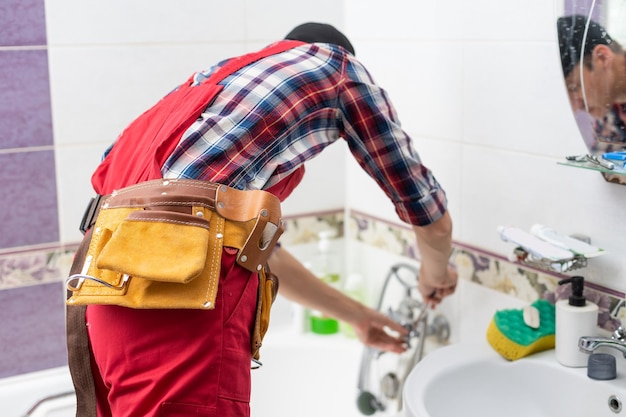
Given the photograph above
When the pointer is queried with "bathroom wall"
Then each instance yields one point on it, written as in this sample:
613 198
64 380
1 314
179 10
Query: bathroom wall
477 85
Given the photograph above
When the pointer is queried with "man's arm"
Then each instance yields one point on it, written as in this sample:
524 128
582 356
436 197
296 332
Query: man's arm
298 284
437 278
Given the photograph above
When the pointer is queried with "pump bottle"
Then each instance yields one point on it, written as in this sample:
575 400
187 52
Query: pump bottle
325 267
575 317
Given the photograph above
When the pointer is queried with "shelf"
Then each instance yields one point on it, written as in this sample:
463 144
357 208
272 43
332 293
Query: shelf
616 175
593 167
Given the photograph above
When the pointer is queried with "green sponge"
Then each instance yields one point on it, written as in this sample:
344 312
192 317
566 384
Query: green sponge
513 337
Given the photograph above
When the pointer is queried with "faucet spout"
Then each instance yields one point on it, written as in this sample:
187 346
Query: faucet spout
589 344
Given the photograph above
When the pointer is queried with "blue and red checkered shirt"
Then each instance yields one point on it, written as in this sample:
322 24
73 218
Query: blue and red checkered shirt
277 113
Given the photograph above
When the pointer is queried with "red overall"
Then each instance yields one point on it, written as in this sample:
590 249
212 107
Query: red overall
175 363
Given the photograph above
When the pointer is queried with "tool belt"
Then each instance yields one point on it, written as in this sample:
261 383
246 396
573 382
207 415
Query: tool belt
158 244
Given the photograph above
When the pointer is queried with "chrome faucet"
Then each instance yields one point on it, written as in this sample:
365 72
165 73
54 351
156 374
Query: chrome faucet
589 344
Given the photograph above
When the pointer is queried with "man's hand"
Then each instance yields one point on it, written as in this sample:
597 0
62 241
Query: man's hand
433 293
378 331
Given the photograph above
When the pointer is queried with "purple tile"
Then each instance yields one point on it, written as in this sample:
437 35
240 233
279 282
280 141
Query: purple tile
32 329
28 201
25 115
22 22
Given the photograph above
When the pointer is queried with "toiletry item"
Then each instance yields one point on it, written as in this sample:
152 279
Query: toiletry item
321 324
300 318
619 156
565 242
511 336
531 316
601 366
575 317
540 249
597 161
325 265
354 288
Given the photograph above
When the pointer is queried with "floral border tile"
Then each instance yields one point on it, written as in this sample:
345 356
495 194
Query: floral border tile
35 267
305 229
383 235
529 284
490 270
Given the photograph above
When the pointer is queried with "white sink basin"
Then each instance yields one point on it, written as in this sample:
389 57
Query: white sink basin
473 380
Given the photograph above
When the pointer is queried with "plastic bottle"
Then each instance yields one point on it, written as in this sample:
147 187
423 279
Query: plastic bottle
325 267
355 289
575 317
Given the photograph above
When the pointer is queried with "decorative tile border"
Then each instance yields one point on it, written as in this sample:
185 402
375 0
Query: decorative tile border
473 264
26 268
399 240
305 229
488 269
529 284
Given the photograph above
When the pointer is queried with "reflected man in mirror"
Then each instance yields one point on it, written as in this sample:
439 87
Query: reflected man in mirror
594 67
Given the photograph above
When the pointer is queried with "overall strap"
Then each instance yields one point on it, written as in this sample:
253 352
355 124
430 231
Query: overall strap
144 146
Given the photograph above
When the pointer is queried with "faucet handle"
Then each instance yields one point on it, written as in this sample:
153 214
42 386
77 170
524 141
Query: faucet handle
619 334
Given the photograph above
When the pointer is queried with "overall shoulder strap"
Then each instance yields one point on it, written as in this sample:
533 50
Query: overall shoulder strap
235 64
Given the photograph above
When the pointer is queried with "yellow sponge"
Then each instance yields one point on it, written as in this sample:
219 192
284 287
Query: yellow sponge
513 337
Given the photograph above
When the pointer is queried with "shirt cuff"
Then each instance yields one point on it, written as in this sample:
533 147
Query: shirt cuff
424 211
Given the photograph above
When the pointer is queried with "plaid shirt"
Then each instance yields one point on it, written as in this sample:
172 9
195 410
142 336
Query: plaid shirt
277 113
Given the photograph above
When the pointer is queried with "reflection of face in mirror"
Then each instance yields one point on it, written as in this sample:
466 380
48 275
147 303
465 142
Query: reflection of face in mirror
594 67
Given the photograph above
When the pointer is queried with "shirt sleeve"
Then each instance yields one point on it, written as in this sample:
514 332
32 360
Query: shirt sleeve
384 150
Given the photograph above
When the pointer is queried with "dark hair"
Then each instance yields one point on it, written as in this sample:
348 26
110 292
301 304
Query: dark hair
577 38
320 32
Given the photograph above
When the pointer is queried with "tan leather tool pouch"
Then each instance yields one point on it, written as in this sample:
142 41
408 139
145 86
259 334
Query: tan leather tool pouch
159 244
268 290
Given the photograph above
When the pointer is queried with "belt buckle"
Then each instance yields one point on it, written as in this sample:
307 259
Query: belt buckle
90 214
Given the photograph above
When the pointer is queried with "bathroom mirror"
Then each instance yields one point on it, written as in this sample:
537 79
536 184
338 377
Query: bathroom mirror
592 36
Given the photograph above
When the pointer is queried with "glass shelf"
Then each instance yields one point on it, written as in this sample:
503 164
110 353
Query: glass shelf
593 167
616 175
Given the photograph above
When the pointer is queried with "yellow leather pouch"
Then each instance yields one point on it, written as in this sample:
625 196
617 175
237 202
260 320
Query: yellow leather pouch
157 245
151 259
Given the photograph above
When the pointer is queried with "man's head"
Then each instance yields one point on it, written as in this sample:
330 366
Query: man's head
593 64
577 40
320 32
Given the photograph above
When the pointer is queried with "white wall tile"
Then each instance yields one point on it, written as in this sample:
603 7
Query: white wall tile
423 81
72 22
504 188
74 166
476 307
97 91
515 97
273 19
405 19
505 20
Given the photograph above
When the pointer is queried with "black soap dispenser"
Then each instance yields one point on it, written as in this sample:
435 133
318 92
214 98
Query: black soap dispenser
575 317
